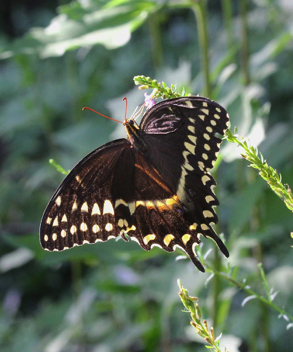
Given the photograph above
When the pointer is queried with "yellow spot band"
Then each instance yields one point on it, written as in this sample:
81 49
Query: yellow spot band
186 238
168 239
149 238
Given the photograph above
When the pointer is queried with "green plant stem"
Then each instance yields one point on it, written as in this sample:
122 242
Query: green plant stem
265 281
72 74
265 316
156 40
264 329
200 10
228 21
201 327
250 292
265 171
244 43
216 290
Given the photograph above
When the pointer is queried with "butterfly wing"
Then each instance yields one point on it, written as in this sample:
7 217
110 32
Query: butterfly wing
181 137
82 208
113 191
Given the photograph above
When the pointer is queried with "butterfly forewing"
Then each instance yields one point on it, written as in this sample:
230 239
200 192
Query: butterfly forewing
82 208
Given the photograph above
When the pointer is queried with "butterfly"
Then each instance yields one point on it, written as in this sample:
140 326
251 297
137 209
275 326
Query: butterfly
153 187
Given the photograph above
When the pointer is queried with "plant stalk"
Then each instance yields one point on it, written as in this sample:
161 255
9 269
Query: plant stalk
244 43
228 21
200 10
156 40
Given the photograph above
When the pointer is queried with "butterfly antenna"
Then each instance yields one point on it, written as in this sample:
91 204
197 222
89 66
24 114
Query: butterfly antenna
110 118
125 120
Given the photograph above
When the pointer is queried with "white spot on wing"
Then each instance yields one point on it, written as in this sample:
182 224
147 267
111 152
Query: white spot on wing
84 207
74 206
83 226
55 222
58 201
109 227
96 228
108 207
64 218
49 220
73 229
96 209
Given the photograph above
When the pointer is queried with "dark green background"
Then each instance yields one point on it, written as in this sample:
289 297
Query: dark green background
115 296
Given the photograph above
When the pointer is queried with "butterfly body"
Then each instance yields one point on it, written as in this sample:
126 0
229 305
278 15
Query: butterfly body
155 185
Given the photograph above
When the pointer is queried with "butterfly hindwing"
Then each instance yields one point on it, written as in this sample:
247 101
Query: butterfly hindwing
184 149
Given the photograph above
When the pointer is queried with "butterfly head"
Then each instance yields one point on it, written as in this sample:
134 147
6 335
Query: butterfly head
134 135
132 128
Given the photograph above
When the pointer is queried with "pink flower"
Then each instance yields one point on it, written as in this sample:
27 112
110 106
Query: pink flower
148 101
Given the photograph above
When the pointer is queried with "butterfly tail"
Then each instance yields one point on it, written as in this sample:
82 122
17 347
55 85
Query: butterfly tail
212 235
194 259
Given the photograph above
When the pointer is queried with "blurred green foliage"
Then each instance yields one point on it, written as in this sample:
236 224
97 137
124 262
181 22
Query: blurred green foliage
114 296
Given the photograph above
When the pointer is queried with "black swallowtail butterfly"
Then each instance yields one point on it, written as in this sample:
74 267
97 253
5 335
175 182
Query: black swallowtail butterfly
154 186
